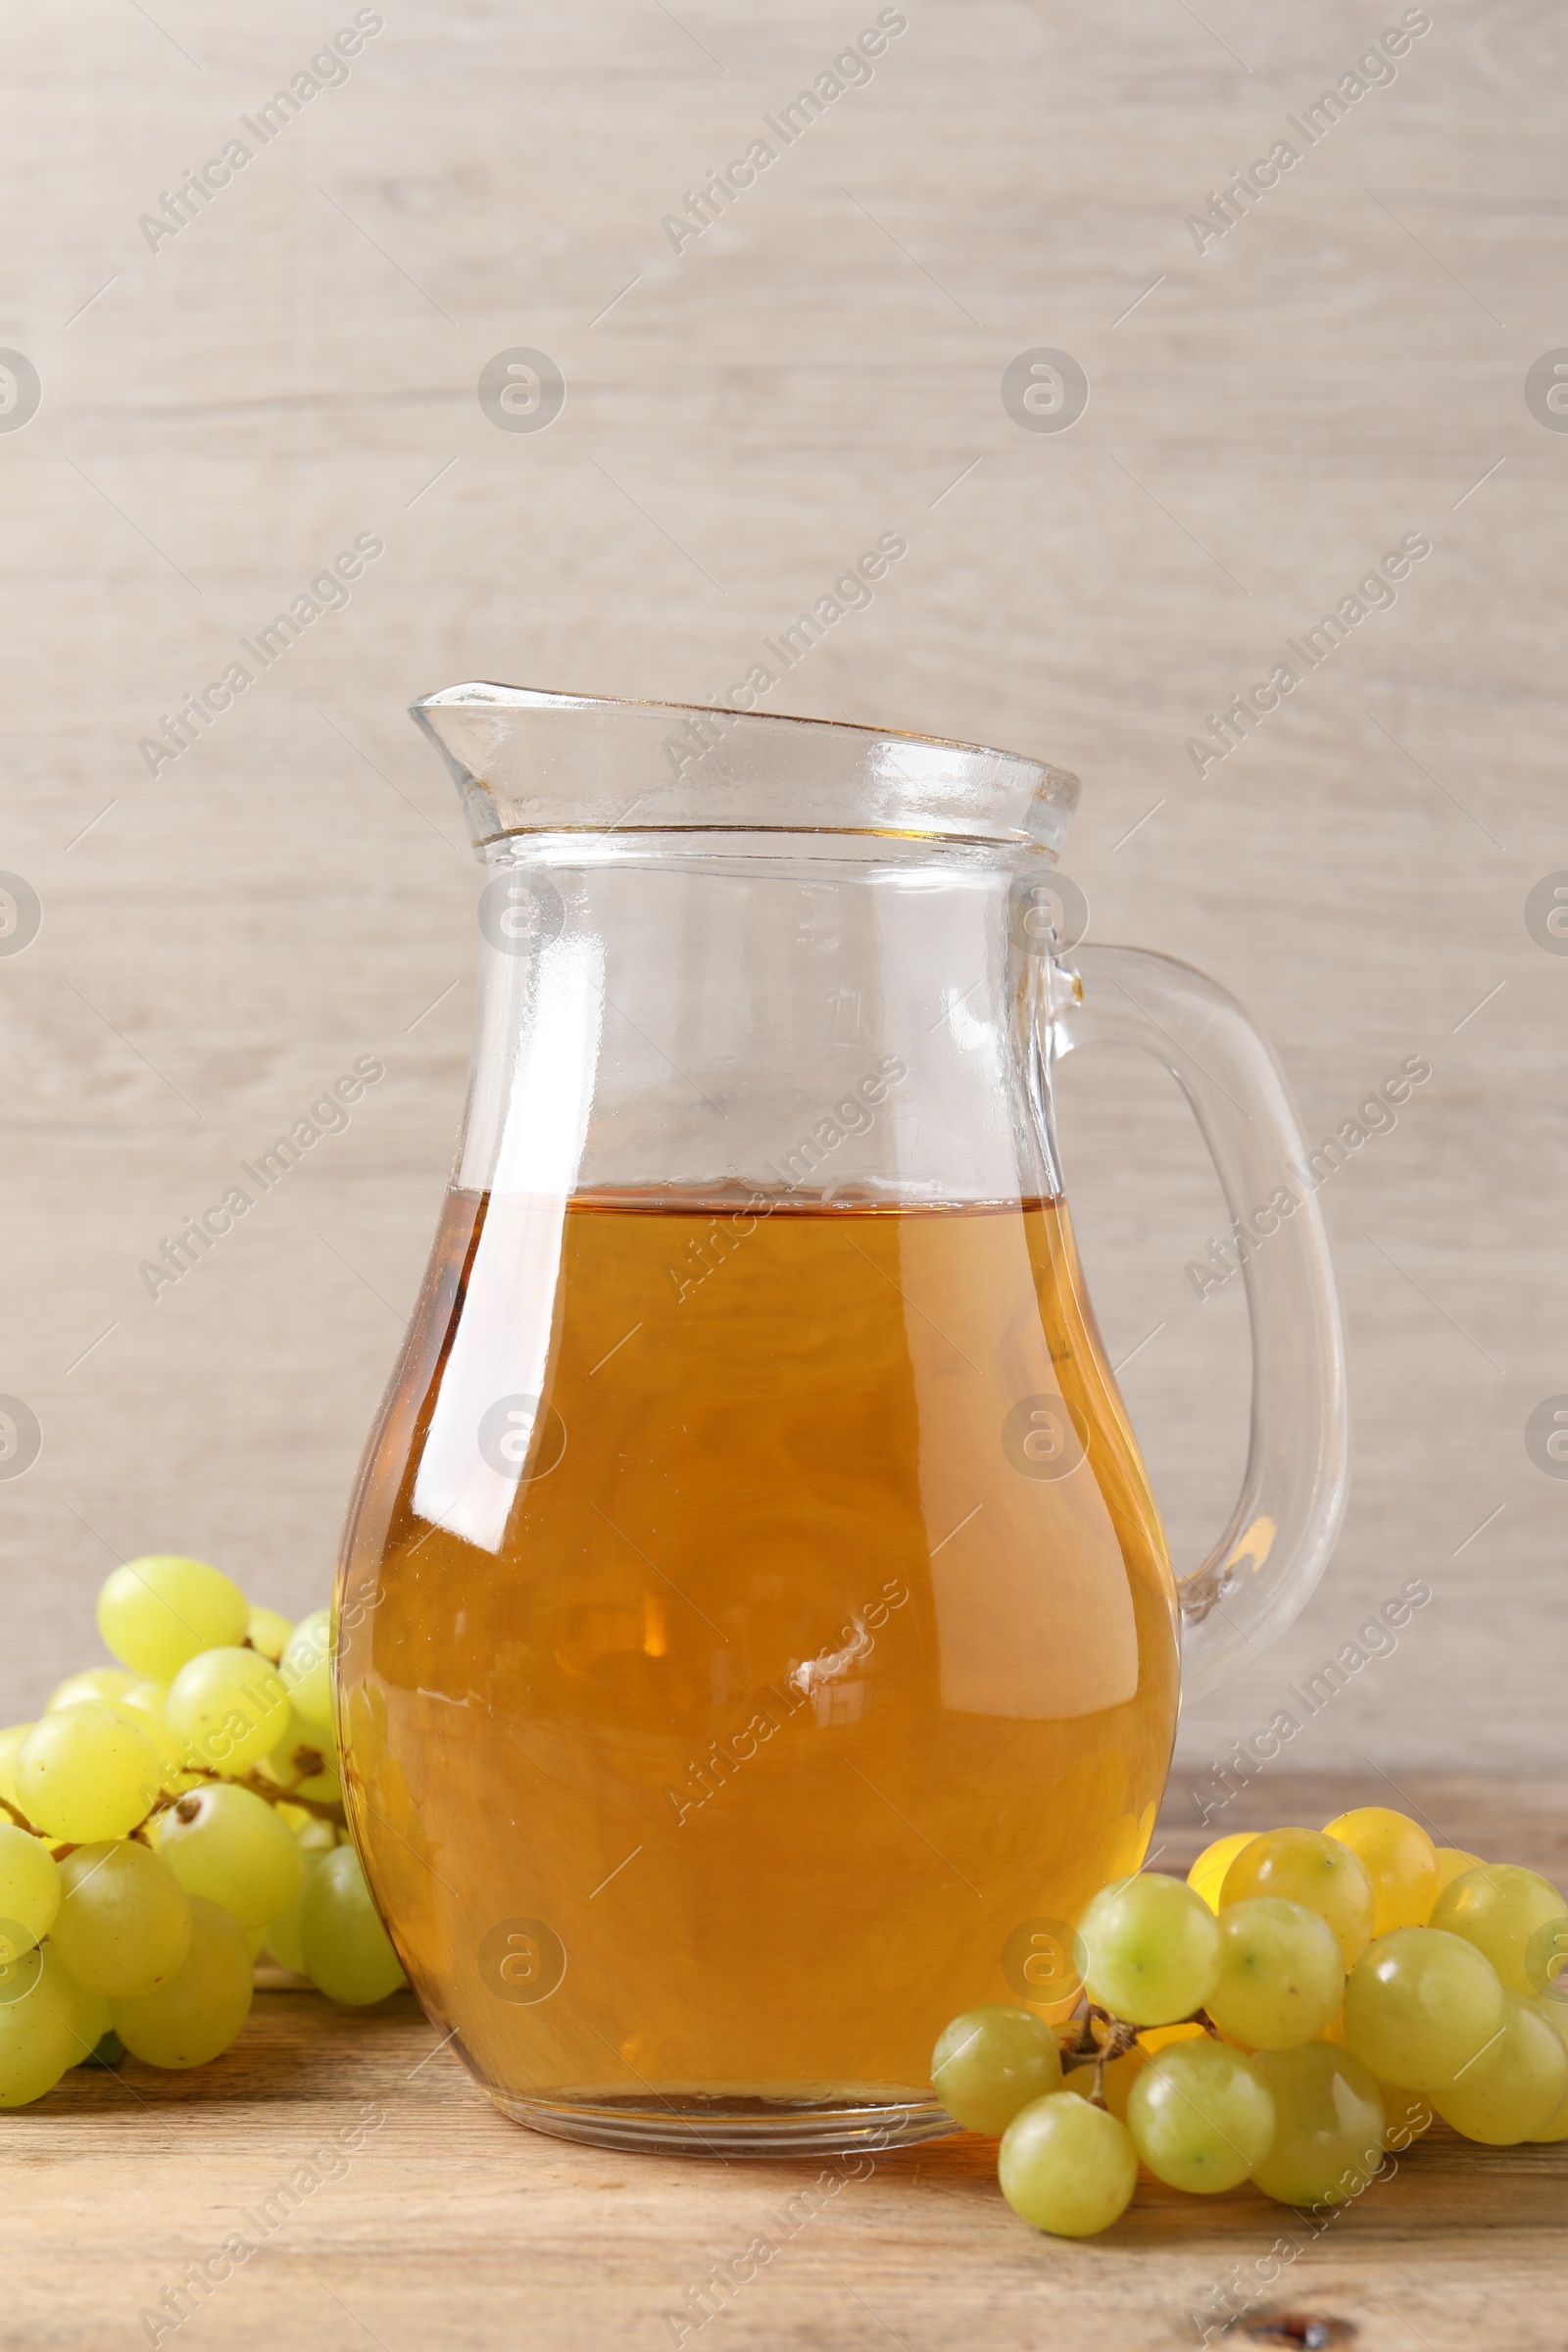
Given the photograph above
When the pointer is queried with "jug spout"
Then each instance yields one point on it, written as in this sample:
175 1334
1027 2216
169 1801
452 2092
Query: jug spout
529 761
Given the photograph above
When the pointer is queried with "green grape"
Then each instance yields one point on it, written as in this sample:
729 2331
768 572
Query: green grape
86 1773
226 1844
345 1947
171 1773
11 1739
1420 2005
1151 1949
1499 1908
29 1891
1304 1866
1401 1860
990 2061
37 2036
281 1939
140 1704
1208 1874
1453 1863
1329 2124
159 1611
196 2013
315 1839
1515 2087
1281 1977
1201 2116
229 1707
1408 2114
89 2011
268 1632
282 1936
302 1746
1555 2126
1067 2167
93 1684
306 1668
20 1963
123 1925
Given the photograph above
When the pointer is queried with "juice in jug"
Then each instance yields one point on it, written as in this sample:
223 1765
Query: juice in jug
738 1691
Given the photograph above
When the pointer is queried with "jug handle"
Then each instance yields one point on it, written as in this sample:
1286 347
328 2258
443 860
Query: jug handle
1283 1529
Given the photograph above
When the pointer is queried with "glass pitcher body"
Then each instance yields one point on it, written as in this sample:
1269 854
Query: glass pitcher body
756 1641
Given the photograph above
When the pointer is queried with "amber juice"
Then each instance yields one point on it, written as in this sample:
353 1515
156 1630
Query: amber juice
714 1728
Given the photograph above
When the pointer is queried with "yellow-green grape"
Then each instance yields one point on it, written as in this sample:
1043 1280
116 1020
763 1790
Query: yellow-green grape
1407 2114
37 2041
1281 1975
314 1840
1208 1874
29 1891
1151 1949
173 1775
1546 1963
86 1772
1201 2116
1067 2167
1307 1867
124 1923
1515 2087
989 2063
1420 2005
226 1844
140 1704
157 1612
1453 1863
1329 2126
145 1705
1555 2126
228 1706
89 2011
306 1668
268 1632
304 1760
93 1684
198 2011
344 1945
11 1739
1499 1908
1400 1859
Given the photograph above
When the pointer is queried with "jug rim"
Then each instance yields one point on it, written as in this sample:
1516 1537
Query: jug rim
488 693
528 759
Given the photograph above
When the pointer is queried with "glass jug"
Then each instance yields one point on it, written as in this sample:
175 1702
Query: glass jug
755 1628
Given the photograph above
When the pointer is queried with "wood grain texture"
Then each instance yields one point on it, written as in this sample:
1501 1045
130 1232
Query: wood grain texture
299 363
447 2226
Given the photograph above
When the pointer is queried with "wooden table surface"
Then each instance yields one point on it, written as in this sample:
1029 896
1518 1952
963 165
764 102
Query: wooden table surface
447 2225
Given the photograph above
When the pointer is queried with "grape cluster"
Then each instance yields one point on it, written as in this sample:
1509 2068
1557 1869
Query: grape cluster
1306 2002
164 1822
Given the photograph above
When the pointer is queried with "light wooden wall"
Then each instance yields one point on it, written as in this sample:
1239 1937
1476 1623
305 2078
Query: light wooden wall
220 417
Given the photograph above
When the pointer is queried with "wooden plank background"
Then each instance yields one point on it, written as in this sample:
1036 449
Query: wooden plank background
220 416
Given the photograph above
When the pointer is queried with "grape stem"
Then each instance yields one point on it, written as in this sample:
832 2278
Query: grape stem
272 1792
1099 2038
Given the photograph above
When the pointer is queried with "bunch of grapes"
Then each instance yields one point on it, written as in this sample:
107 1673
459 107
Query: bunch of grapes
164 1822
1303 2003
